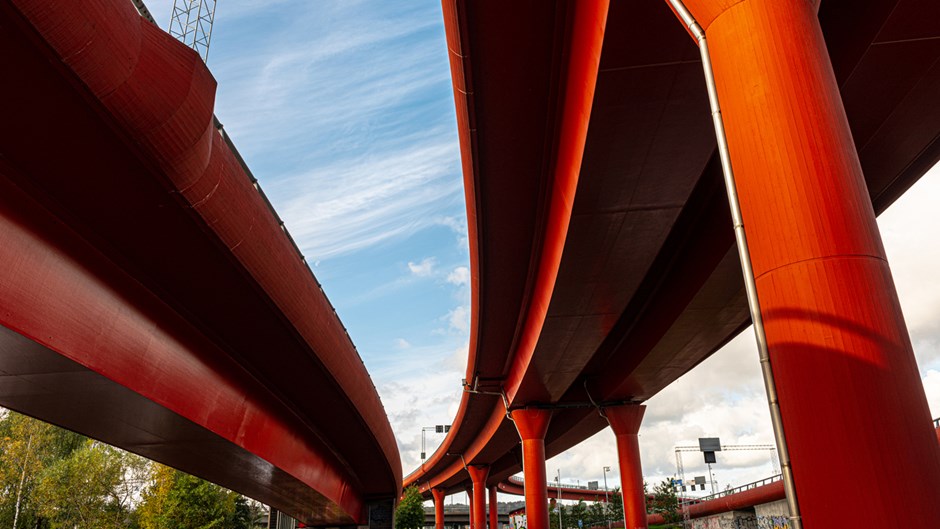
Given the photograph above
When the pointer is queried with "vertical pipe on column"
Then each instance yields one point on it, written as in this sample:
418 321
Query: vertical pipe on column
438 495
625 423
494 514
532 424
744 256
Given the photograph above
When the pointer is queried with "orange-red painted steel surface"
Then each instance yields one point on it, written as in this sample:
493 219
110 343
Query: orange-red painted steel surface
574 34
470 502
438 495
144 262
478 474
532 424
625 423
648 284
850 393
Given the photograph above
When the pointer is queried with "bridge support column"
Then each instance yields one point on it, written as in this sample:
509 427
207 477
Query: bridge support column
438 495
532 424
494 513
625 423
470 507
478 474
849 390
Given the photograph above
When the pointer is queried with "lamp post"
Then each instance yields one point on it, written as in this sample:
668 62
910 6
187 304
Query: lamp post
439 428
558 486
606 499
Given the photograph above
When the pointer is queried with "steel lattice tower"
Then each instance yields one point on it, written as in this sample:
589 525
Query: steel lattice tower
191 23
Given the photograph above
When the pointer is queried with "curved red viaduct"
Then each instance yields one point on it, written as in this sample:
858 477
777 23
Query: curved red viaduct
151 298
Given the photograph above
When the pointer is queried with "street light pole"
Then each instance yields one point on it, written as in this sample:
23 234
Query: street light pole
440 428
606 499
558 485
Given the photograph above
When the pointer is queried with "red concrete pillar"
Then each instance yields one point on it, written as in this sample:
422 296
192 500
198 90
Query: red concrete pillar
532 424
494 514
478 474
849 389
470 507
625 423
438 495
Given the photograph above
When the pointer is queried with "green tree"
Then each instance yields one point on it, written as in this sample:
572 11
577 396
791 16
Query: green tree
51 478
27 448
577 514
176 500
596 515
664 502
93 487
615 506
558 517
410 511
243 515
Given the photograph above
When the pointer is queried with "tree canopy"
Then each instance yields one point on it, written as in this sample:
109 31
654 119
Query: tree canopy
664 501
51 478
410 511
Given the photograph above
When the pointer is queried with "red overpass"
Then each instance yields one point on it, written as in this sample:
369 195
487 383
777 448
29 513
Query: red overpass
515 486
151 299
602 253
149 296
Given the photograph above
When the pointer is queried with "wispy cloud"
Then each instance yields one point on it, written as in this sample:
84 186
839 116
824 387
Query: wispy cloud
422 269
459 276
342 208
343 108
459 319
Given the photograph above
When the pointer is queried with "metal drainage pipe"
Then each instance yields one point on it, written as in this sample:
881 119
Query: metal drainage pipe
744 254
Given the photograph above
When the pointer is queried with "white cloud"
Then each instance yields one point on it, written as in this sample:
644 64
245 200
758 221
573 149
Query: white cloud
459 319
932 388
423 389
910 229
332 110
337 210
459 276
402 343
423 269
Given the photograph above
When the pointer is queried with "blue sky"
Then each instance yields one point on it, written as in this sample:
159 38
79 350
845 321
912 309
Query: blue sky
344 111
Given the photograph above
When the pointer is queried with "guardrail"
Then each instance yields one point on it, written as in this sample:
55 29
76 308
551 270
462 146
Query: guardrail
518 481
742 488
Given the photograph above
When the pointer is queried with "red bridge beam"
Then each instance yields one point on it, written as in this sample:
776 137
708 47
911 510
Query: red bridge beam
127 244
581 41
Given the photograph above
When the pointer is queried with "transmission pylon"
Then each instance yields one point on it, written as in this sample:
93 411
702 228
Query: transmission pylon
191 24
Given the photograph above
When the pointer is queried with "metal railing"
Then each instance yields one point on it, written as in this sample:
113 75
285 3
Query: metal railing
519 481
742 488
